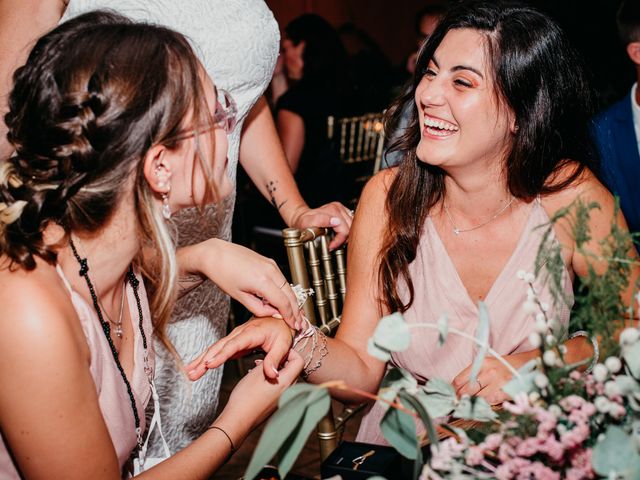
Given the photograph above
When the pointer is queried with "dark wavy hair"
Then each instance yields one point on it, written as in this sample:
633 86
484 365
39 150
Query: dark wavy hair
628 21
324 57
94 95
539 78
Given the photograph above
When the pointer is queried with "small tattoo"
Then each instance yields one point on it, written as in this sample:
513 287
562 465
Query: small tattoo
272 187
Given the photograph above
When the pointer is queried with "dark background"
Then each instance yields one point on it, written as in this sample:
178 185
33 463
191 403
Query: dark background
590 24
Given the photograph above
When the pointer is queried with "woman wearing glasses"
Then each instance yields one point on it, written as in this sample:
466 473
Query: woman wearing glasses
104 154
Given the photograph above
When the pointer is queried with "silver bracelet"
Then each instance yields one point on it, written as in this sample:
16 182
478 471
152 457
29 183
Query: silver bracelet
594 343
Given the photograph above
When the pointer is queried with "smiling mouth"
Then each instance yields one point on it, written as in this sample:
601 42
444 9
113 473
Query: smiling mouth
439 128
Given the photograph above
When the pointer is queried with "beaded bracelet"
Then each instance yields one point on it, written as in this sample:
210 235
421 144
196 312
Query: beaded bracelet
594 343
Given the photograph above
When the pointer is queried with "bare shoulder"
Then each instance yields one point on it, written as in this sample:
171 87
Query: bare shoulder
585 188
35 305
375 191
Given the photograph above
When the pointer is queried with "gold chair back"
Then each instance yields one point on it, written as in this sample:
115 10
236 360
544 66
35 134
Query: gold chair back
309 256
361 138
314 266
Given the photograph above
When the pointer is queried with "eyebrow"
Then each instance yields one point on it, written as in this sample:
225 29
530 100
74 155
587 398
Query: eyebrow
459 67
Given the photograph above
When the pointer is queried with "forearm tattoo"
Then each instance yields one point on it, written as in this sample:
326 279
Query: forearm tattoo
272 187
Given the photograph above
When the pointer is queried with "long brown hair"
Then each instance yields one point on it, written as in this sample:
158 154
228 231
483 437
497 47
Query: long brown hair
539 78
95 94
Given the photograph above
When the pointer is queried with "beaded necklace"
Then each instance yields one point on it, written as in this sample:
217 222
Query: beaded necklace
106 328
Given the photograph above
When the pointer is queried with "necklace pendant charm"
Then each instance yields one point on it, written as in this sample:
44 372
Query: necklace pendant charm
119 331
456 231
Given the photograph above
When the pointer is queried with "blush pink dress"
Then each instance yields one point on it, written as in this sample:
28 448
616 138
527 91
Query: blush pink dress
112 393
439 289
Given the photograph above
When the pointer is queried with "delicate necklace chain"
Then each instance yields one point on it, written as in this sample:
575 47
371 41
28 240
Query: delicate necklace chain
458 231
106 328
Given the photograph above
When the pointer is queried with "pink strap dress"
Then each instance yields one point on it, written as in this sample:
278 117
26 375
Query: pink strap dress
439 289
112 393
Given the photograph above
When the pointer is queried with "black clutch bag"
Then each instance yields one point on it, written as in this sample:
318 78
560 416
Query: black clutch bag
354 461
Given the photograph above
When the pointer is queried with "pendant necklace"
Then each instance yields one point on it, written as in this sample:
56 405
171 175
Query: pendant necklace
106 328
458 231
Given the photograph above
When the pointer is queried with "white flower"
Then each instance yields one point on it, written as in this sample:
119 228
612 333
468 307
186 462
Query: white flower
602 404
529 277
534 397
562 348
541 326
611 389
544 306
629 336
530 307
600 372
535 339
550 358
613 364
541 380
555 410
520 274
550 340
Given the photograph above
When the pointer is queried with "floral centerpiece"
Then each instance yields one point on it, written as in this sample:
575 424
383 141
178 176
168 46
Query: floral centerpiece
562 421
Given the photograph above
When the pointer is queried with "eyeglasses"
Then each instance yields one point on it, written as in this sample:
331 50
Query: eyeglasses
224 117
226 114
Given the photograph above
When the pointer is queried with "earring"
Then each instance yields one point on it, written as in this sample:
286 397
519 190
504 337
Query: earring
166 210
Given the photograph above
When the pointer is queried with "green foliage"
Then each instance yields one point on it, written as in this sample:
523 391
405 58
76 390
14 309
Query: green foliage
300 408
616 455
598 305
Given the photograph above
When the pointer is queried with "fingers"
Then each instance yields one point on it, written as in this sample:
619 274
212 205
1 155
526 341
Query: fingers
279 295
277 353
292 368
332 215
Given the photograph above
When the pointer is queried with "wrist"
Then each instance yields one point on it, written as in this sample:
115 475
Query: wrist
291 213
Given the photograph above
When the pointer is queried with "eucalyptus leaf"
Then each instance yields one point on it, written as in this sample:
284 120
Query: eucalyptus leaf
399 429
443 329
392 333
437 405
616 453
284 421
442 387
523 384
297 389
377 352
482 337
631 355
424 417
474 408
318 403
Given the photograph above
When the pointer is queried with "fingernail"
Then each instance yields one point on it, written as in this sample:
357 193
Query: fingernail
275 370
192 372
257 362
277 315
335 221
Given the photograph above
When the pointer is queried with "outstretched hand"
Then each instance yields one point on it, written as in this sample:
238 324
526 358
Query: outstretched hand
269 334
251 279
332 215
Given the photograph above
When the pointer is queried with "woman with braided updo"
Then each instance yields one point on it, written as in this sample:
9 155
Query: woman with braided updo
115 126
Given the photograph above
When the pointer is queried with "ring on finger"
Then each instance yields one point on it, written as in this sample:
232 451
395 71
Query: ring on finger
351 213
283 283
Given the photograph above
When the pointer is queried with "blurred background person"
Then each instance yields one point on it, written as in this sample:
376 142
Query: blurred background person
617 129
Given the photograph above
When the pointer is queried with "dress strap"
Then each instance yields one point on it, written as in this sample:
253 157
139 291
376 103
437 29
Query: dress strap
64 278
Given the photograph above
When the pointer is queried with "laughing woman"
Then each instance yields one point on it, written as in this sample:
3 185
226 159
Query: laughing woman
497 144
115 126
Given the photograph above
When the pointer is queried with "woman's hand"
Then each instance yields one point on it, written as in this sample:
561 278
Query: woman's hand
255 397
332 215
271 335
492 377
251 279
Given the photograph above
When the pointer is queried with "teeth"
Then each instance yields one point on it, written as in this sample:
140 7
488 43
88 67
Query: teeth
430 122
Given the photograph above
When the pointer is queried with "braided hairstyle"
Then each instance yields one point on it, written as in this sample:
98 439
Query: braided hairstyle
95 94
